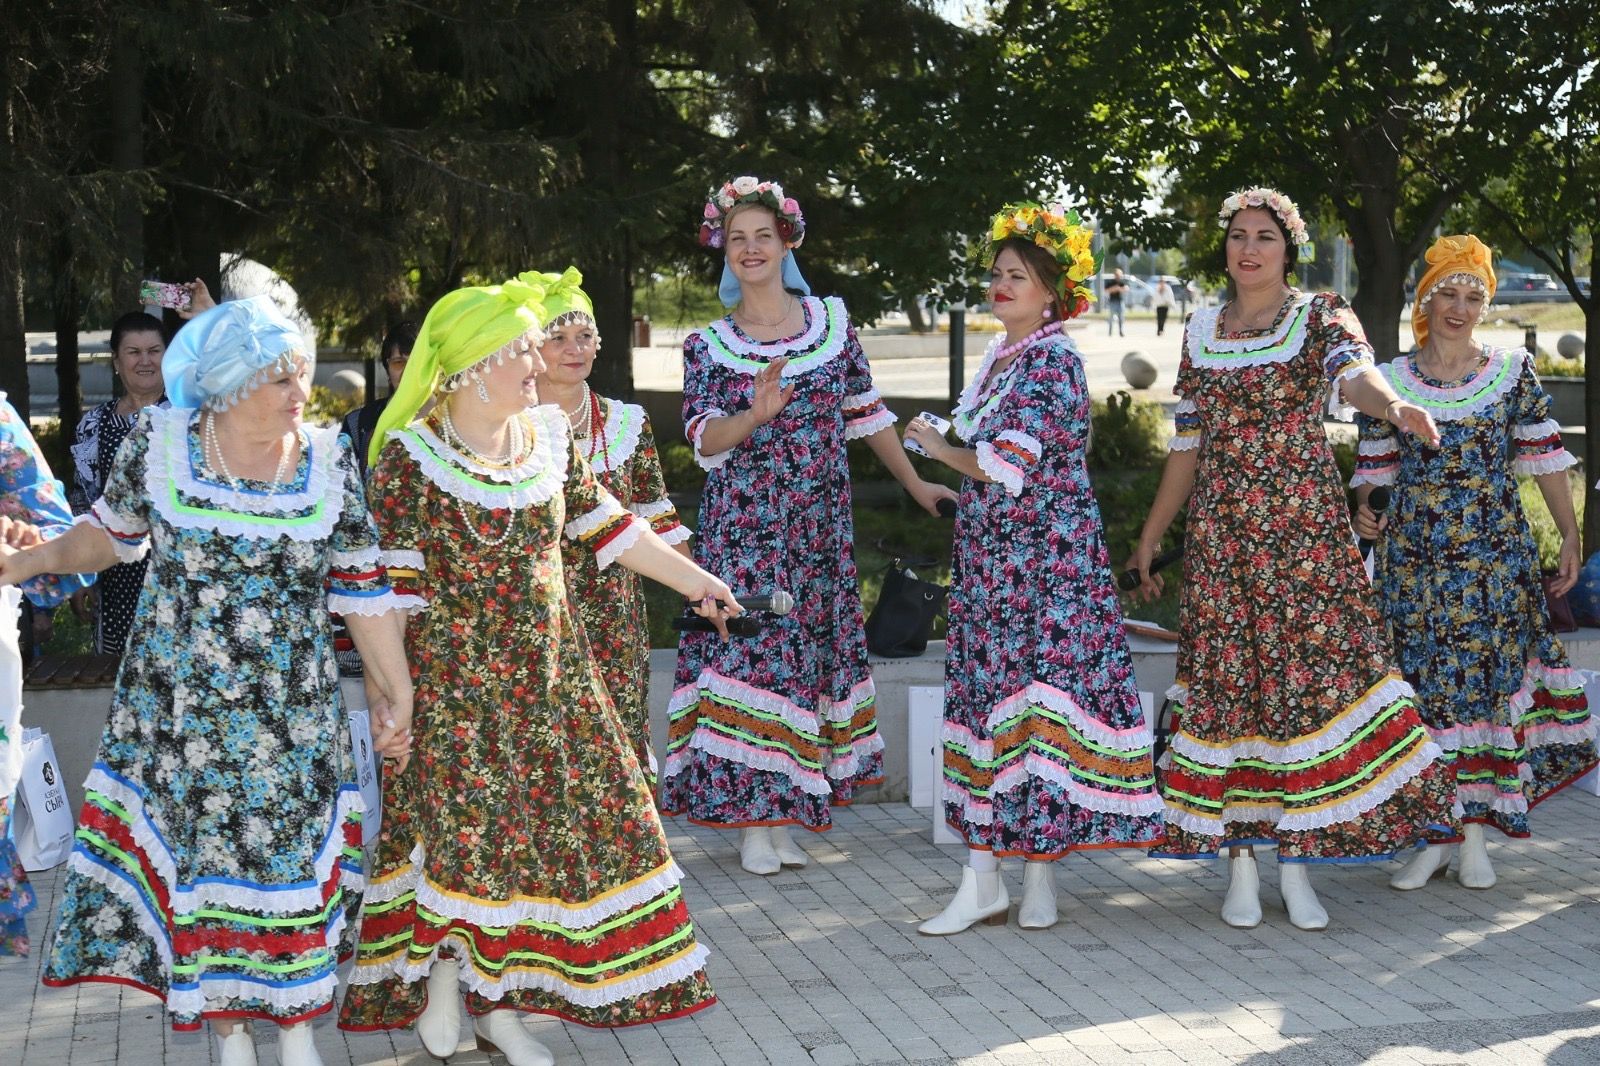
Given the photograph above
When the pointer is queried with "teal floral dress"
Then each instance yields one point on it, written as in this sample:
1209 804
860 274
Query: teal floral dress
1457 574
218 861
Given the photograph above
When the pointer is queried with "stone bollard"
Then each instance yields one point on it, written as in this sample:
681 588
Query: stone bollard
1139 370
348 384
1570 346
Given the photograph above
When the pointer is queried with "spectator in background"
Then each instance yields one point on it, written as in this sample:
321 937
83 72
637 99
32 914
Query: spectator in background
1116 297
1162 301
360 423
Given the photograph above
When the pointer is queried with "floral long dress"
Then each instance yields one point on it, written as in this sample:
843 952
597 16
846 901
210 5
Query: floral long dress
219 856
774 729
1458 581
522 838
1293 726
1046 747
622 452
28 493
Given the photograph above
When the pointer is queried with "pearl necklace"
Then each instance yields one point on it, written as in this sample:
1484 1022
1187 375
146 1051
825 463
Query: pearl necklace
584 411
472 529
516 440
1006 351
212 449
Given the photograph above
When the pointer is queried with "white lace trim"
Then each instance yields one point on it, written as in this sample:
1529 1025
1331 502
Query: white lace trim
686 965
696 429
999 470
861 693
367 606
1034 767
1502 369
545 470
1537 430
504 914
810 782
1491 797
409 602
1362 363
1037 693
360 559
286 1001
402 559
105 518
676 535
622 434
1549 463
155 931
1372 477
626 538
1208 352
794 716
1386 446
502 474
654 509
866 427
1391 689
843 767
607 511
826 315
1183 442
967 401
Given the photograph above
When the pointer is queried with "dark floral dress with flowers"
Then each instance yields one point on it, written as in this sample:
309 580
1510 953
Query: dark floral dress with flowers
29 493
522 838
1293 728
1458 581
1046 747
774 729
622 452
218 861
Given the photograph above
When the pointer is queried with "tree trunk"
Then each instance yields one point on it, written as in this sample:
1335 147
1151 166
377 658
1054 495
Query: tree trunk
919 321
608 275
127 157
13 333
1591 403
68 316
1380 294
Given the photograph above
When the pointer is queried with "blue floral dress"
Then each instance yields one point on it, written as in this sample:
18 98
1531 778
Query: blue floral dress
219 856
1046 747
1458 581
774 729
30 493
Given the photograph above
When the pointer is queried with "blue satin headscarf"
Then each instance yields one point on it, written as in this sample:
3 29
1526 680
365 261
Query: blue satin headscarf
218 353
728 290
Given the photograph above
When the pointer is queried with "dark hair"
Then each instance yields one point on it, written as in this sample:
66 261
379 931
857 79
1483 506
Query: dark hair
1290 249
402 337
1040 263
135 322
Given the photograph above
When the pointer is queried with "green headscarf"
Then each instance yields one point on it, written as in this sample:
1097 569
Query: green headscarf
562 293
463 329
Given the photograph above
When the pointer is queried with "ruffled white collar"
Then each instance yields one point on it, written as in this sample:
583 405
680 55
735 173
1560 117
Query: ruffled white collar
826 331
1501 370
1282 343
533 481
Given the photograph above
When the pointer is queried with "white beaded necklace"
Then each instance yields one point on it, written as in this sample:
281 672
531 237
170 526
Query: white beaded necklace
516 453
212 449
582 409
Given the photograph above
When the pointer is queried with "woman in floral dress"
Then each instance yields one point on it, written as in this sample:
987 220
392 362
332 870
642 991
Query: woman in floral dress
1293 729
615 438
1046 748
773 730
521 853
1458 571
219 860
32 506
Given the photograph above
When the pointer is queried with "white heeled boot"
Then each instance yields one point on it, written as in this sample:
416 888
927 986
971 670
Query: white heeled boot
501 1031
982 897
296 1047
439 1026
1428 863
1476 871
238 1048
1038 909
1241 908
756 853
1305 910
790 854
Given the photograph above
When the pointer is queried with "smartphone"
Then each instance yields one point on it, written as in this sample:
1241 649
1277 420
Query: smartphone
941 424
165 294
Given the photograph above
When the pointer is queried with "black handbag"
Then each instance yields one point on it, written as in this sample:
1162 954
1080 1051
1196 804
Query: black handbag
902 620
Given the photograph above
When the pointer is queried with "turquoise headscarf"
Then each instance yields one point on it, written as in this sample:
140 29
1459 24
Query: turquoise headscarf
222 354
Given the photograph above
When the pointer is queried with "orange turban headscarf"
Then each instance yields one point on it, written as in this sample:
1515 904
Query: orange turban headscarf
1463 258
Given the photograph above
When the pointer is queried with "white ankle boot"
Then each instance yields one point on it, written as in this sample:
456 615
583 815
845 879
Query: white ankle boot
1038 909
1305 910
501 1031
789 853
238 1048
1432 861
1476 871
756 853
982 897
1242 906
439 1027
296 1047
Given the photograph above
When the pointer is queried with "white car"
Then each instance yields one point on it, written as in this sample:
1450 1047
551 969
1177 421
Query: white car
1138 294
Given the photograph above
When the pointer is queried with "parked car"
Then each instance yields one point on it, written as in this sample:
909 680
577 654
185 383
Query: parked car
1137 296
1529 289
1182 291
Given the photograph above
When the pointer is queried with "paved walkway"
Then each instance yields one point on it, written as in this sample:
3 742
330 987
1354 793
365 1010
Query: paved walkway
824 966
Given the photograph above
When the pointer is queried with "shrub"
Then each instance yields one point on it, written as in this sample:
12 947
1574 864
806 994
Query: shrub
1549 365
326 407
1127 433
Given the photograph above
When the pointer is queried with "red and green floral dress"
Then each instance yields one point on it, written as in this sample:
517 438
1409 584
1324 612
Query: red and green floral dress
522 838
1294 727
622 452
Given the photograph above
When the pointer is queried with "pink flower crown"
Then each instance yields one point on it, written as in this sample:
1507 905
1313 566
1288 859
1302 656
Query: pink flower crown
749 190
1282 208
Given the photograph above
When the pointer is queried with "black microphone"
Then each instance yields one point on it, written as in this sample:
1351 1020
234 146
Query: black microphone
946 507
1129 580
1379 502
739 626
776 602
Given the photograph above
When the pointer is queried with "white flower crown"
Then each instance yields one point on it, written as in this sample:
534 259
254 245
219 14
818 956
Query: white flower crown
1282 208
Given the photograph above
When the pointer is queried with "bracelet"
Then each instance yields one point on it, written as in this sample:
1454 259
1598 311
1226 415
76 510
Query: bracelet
1386 408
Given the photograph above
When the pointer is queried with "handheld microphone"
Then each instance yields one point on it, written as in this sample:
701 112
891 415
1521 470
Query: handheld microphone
946 507
1129 580
776 602
740 626
1378 501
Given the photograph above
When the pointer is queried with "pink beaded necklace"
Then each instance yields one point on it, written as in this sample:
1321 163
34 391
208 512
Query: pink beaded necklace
1008 350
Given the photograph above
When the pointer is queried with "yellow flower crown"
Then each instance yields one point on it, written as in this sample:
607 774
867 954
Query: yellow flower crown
1061 232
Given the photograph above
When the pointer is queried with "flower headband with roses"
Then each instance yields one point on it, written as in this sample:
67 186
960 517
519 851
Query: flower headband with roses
749 190
1282 208
1062 233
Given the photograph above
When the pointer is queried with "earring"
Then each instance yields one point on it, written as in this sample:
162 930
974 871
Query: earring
1047 314
483 391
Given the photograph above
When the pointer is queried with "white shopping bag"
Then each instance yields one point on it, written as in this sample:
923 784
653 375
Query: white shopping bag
43 825
10 693
366 773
